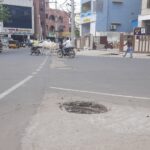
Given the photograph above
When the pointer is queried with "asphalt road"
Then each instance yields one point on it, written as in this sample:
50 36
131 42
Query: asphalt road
22 86
25 79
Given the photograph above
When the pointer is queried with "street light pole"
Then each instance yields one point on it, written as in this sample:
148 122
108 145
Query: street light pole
72 23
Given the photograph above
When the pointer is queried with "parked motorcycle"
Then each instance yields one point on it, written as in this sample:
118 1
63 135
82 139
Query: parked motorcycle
66 52
35 50
108 45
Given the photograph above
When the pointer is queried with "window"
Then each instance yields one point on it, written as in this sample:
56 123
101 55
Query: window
52 29
148 3
52 17
86 7
60 19
17 17
61 29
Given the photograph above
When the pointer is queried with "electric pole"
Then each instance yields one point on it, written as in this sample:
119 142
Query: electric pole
72 22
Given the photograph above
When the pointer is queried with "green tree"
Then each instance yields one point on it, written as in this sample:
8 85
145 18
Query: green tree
4 13
77 32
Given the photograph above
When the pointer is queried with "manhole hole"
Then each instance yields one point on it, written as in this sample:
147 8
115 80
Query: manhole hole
83 107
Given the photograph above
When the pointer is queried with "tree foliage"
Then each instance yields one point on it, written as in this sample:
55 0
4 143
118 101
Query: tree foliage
4 13
77 32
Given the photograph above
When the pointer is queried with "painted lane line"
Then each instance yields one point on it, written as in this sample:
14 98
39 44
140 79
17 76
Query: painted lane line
42 65
34 73
100 93
13 88
16 86
38 70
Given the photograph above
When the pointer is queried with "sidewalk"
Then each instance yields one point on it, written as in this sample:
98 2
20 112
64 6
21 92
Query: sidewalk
110 53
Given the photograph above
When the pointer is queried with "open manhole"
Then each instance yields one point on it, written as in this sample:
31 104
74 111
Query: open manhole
83 107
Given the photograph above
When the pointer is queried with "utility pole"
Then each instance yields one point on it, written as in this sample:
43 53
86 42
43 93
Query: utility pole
72 22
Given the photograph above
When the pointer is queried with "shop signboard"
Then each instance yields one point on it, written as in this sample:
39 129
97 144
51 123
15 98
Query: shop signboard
139 31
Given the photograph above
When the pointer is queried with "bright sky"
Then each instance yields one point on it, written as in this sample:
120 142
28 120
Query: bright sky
62 4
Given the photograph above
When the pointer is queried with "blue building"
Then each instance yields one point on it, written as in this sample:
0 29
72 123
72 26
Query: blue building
109 15
117 15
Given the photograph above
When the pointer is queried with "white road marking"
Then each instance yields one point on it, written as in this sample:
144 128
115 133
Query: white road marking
38 70
34 73
13 88
100 93
16 86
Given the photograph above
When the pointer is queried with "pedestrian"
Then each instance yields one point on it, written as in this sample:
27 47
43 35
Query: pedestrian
129 45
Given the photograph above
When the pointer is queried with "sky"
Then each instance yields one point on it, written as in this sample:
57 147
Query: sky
62 5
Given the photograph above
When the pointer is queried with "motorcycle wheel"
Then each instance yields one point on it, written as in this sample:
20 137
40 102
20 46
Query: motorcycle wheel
37 52
59 54
72 54
31 52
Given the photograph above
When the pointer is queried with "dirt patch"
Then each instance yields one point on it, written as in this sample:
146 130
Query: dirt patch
83 107
111 54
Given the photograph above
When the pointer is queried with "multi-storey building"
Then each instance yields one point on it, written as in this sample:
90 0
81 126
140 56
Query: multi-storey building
144 18
57 24
108 15
20 25
106 19
117 15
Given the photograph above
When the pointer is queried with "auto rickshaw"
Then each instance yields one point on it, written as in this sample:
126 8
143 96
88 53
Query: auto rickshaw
13 44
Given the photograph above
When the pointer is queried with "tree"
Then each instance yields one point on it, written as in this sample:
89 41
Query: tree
77 32
4 13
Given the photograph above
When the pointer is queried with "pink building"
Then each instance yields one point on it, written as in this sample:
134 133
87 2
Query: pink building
57 24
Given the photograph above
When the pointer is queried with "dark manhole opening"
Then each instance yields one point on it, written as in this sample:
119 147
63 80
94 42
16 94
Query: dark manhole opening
83 107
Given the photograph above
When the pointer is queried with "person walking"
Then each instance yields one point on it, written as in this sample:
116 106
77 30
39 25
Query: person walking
129 45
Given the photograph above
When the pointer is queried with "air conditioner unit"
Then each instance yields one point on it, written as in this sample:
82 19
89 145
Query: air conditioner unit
113 27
